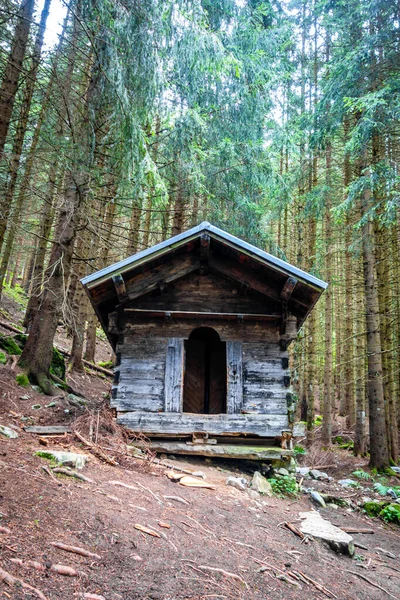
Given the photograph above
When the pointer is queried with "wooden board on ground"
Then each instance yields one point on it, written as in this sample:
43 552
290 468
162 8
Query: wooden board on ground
220 450
48 429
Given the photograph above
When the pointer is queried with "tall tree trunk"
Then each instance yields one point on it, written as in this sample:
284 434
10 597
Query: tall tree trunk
379 453
37 353
17 150
13 70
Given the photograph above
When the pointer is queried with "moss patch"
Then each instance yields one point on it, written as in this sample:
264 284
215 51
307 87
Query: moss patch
10 345
373 509
391 514
3 358
22 379
57 366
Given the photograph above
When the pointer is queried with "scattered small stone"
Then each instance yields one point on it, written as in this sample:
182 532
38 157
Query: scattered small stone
8 432
199 474
36 388
303 471
391 493
26 397
331 505
237 482
261 485
163 456
347 483
76 400
316 496
315 474
171 457
51 405
36 406
282 471
396 469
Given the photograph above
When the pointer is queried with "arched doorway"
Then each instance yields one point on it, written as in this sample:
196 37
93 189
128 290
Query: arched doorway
204 386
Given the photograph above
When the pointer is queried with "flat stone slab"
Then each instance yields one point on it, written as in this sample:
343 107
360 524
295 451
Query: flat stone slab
8 432
69 459
315 525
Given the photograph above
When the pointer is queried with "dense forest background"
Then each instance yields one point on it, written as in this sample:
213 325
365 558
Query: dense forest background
277 121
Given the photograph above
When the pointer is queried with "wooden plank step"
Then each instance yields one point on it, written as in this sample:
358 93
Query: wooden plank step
220 450
48 429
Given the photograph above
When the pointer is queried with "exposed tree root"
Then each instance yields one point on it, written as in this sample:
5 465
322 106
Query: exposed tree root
15 581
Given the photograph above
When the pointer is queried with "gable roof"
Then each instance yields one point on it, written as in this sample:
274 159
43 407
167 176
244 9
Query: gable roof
102 286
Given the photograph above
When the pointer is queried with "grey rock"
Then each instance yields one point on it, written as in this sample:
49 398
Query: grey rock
36 388
237 482
69 459
303 471
347 482
315 474
396 469
171 457
199 474
8 432
282 471
261 485
36 406
26 397
316 496
331 505
392 493
315 525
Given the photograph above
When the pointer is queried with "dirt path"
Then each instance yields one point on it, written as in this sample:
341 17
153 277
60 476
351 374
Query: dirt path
222 528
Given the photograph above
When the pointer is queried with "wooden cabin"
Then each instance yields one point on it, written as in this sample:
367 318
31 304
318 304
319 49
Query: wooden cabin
200 325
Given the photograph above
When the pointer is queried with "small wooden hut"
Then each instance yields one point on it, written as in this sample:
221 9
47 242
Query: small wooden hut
200 325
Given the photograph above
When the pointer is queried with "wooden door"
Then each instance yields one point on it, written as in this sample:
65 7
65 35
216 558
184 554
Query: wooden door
194 381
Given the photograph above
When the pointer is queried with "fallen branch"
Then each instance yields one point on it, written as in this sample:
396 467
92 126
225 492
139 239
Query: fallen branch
96 450
317 585
75 550
71 473
372 583
146 530
15 581
124 485
47 470
177 499
294 530
226 573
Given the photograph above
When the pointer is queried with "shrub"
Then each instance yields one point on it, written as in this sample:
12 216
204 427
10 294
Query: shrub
391 514
3 358
284 486
297 450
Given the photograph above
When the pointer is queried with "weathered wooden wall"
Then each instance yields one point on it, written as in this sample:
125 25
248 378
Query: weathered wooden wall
265 380
140 376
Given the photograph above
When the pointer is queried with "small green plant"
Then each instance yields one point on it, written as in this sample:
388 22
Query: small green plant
22 379
359 557
373 509
317 420
17 293
106 364
391 514
9 344
299 450
360 474
284 486
3 358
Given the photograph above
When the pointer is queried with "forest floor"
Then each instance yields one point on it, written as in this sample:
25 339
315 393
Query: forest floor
205 529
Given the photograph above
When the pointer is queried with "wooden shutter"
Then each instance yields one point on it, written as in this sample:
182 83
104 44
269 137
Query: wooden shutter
234 369
174 375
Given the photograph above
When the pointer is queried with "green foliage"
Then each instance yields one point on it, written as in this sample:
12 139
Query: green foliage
46 456
17 294
3 358
391 514
106 364
360 474
284 486
22 379
317 420
373 509
299 450
9 344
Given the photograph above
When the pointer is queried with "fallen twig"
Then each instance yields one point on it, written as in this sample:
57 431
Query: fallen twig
71 473
149 491
223 572
177 499
147 530
319 587
294 530
15 581
47 470
75 550
372 583
96 450
124 485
